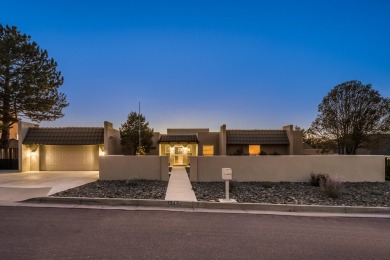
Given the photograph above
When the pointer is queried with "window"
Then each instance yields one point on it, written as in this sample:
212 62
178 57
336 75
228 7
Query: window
208 150
189 151
254 149
167 150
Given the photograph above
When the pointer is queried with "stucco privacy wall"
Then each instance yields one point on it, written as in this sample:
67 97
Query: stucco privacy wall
112 140
23 150
123 167
294 168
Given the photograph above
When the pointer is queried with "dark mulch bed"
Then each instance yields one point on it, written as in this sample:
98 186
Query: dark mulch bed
354 194
135 189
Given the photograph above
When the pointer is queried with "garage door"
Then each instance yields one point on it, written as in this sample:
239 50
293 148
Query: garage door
69 158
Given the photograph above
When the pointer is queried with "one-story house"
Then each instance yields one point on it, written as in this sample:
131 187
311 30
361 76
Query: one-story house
79 148
65 148
180 144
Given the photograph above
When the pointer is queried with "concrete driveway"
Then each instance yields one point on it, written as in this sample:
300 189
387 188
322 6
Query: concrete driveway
18 186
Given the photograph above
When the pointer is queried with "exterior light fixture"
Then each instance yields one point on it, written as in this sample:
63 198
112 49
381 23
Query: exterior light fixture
101 150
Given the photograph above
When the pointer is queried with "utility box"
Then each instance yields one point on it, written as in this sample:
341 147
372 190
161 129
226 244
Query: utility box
227 174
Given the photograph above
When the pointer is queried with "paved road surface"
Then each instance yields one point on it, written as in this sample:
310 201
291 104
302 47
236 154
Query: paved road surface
60 233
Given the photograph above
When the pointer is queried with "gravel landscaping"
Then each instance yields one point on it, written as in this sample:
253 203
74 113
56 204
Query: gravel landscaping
130 189
301 193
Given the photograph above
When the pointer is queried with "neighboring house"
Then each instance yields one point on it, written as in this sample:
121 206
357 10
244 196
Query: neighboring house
65 148
180 144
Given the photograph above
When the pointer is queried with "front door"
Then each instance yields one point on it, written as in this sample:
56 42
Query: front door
178 155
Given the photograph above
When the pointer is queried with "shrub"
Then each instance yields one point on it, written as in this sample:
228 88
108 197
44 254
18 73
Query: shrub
132 181
332 186
317 178
266 184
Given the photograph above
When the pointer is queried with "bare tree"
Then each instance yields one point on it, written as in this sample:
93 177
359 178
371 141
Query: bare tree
348 114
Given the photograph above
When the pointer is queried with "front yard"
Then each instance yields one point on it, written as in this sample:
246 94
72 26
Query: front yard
301 193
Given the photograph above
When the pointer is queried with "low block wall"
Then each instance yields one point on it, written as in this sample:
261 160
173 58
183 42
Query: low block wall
122 167
292 168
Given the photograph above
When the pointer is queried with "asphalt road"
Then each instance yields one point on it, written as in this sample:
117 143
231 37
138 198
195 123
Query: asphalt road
60 233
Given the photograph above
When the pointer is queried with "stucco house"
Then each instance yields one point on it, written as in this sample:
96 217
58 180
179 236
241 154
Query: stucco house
180 144
65 148
79 148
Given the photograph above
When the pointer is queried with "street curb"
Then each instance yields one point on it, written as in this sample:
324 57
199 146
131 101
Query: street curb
209 205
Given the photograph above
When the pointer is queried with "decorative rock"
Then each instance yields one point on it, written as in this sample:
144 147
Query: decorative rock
354 194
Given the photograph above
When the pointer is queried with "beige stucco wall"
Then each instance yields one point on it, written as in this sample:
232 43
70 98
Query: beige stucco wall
295 168
34 158
112 140
186 131
123 167
24 150
295 137
281 149
222 140
208 138
155 146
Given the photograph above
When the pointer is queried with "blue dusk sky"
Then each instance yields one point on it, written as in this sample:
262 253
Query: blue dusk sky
247 64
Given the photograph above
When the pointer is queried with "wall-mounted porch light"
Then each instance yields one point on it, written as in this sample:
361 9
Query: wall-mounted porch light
33 153
101 150
33 150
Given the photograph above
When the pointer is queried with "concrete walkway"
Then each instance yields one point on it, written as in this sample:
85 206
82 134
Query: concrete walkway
179 186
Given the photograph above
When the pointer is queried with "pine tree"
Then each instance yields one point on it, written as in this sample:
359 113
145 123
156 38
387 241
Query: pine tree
130 137
29 82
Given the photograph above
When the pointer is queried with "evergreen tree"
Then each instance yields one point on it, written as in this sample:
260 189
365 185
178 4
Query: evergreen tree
129 132
29 82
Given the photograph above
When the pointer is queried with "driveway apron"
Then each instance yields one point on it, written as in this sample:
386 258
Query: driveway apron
18 186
